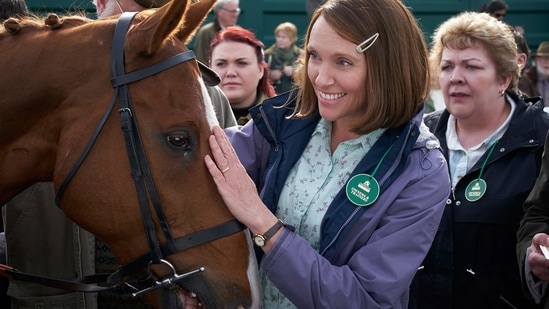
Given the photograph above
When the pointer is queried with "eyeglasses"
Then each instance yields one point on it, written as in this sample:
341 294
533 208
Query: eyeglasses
237 11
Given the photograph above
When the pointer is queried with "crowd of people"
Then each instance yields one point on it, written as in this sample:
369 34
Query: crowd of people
370 176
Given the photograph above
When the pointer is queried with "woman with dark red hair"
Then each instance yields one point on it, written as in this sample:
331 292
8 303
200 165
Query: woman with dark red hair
238 57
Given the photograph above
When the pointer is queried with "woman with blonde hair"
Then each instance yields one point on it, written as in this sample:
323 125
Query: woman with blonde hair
493 142
282 57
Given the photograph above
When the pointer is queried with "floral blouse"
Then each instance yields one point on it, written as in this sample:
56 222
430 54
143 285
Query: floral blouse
311 186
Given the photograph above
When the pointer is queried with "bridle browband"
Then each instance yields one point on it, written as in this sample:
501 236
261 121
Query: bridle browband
145 189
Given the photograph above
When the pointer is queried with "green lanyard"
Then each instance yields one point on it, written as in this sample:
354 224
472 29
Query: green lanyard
476 189
363 189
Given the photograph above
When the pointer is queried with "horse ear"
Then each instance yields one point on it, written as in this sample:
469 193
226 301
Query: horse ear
198 12
147 36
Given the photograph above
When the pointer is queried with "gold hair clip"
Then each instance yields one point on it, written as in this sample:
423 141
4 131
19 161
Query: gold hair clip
362 47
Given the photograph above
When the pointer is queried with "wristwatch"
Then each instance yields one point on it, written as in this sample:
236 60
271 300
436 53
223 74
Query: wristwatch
261 239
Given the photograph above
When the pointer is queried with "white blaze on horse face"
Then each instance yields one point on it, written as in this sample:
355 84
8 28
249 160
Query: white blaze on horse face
208 106
253 273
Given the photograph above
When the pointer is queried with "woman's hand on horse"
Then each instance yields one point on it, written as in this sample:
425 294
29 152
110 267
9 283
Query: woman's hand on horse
237 188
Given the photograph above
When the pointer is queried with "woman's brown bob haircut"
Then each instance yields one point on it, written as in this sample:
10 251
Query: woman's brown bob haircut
397 81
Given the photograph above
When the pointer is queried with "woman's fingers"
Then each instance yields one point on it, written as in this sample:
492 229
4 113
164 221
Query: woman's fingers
222 150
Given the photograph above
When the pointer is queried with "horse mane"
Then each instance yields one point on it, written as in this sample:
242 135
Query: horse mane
52 21
14 25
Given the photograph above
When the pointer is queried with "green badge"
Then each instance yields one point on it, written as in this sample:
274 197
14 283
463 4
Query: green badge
475 190
362 190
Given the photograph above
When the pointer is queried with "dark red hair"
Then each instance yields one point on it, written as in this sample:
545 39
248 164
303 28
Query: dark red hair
241 35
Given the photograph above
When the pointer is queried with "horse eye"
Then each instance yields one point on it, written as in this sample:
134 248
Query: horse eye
179 140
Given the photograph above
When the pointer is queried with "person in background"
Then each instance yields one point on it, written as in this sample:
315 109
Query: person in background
493 141
312 5
12 8
238 57
523 50
436 99
532 236
535 79
105 8
344 161
498 9
41 240
282 57
226 14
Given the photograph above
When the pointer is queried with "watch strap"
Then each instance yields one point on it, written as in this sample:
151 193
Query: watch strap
270 233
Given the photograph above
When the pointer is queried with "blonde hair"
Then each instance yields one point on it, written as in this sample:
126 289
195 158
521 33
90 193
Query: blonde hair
397 79
289 29
470 29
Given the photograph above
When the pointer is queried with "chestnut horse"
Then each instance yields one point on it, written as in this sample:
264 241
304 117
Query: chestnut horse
144 190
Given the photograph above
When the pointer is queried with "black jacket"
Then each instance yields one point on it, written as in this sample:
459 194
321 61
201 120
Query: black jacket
472 262
528 83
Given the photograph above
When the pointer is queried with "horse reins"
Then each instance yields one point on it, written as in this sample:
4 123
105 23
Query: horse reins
145 188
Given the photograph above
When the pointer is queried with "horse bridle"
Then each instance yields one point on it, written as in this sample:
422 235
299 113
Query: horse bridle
144 184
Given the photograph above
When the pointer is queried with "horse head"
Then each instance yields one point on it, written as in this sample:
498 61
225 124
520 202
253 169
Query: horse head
144 190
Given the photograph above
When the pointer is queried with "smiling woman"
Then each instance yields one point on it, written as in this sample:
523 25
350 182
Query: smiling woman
344 161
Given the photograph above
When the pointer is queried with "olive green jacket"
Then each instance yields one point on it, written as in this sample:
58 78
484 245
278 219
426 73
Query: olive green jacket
42 241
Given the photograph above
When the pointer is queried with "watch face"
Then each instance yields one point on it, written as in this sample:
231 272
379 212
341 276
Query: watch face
260 241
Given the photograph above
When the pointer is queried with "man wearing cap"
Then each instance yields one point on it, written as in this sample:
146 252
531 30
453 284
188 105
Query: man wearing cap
535 80
37 228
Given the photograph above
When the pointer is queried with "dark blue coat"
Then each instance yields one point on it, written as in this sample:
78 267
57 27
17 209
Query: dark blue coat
472 262
368 255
